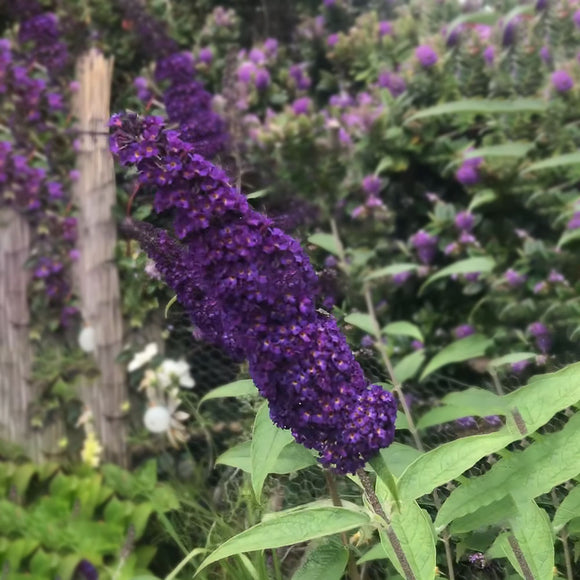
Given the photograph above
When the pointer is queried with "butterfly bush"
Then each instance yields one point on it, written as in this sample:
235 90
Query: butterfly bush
250 287
33 175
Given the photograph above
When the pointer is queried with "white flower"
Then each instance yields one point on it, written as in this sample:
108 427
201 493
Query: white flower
157 419
142 358
174 370
87 339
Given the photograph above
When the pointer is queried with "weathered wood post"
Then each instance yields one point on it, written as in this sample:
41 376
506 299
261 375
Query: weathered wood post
97 276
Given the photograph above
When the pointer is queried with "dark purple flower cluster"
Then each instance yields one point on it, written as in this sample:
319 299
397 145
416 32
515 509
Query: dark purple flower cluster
30 178
189 104
426 246
258 291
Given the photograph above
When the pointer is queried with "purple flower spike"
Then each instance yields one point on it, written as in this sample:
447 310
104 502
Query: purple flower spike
250 287
426 246
561 81
301 106
576 18
467 174
542 335
574 222
371 184
520 366
385 28
393 82
489 55
426 56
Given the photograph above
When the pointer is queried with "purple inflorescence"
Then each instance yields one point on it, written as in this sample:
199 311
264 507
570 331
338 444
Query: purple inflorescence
562 81
426 56
189 104
542 335
253 287
463 331
393 82
426 246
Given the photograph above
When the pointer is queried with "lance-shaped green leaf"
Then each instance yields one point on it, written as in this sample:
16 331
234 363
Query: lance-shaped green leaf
472 401
293 457
409 366
326 242
481 106
361 320
530 545
243 388
504 150
494 514
267 444
461 350
448 461
403 328
325 562
554 162
377 552
478 264
482 198
391 270
409 542
547 462
292 527
399 456
567 510
511 358
568 237
545 395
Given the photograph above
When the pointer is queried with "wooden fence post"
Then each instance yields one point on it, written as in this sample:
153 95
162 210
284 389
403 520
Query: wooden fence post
97 276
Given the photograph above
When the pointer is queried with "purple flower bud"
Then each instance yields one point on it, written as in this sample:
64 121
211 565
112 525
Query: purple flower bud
74 174
540 287
576 18
367 341
205 55
520 366
426 56
400 278
385 28
478 560
301 106
417 345
452 249
371 184
493 420
545 54
426 246
556 278
489 55
394 83
330 262
464 221
466 422
472 276
542 335
245 71
257 56
468 239
514 279
332 40
271 47
467 174
574 222
463 331
562 81
262 79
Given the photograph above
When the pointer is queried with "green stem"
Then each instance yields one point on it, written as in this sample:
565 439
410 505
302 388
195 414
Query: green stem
398 389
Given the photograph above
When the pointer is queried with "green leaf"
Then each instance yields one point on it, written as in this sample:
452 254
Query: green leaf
554 162
448 461
511 358
22 477
267 443
491 515
385 475
549 461
325 562
243 388
140 517
530 546
545 395
258 194
468 266
292 527
377 552
461 350
410 542
391 271
567 510
293 457
399 456
568 237
472 401
482 198
362 321
326 242
409 366
481 106
489 18
403 328
504 150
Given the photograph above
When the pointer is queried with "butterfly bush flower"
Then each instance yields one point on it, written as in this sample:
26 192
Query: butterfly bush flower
463 331
468 172
576 18
371 184
301 106
489 55
238 274
542 335
385 28
519 366
574 222
561 81
393 82
464 221
426 246
426 56
514 278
